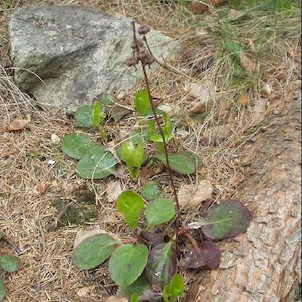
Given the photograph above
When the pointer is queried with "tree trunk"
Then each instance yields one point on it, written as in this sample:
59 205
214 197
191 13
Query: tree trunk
263 264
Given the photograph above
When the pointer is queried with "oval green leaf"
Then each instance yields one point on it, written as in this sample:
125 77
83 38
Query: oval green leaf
130 205
83 116
97 163
134 156
10 263
2 290
75 145
228 219
159 211
93 251
142 103
174 289
177 286
150 190
127 263
180 162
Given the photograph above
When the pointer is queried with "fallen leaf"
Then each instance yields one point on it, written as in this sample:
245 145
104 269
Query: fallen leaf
244 100
192 195
147 172
54 138
203 95
266 90
84 291
198 8
219 2
198 108
113 190
251 45
248 64
218 134
117 299
17 124
42 187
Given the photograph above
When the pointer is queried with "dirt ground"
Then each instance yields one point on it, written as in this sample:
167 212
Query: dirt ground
36 176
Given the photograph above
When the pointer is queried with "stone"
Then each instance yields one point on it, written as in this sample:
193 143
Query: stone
68 55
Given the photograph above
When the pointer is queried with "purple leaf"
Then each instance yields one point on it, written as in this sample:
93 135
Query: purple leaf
227 219
153 238
206 257
161 265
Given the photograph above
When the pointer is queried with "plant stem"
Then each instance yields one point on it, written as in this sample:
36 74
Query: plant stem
164 141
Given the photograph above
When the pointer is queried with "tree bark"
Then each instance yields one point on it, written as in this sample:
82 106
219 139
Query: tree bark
263 264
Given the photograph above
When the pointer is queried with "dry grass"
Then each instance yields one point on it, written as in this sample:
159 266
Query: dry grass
47 273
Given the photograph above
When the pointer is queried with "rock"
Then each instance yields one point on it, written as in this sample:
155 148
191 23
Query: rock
68 55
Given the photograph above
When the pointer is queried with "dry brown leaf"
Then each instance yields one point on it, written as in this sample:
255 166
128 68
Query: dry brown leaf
203 95
244 100
113 190
198 8
266 90
219 2
117 299
218 134
17 124
54 138
191 196
146 173
41 187
84 291
248 64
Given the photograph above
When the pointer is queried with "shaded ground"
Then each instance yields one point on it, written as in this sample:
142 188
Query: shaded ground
248 98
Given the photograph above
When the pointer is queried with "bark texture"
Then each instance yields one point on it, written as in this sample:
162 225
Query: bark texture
264 264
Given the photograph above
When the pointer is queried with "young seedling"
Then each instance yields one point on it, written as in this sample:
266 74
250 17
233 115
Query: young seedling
134 157
98 118
87 116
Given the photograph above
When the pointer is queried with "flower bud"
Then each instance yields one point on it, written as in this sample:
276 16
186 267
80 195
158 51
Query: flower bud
142 30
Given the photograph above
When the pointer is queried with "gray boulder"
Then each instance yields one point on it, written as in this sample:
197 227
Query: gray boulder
68 55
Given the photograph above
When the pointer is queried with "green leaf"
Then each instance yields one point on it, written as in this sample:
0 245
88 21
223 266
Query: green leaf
174 289
159 211
98 114
93 251
228 219
133 156
127 263
83 116
161 266
234 48
134 297
130 205
181 162
2 290
10 263
142 103
167 130
75 145
150 190
177 286
168 127
138 286
97 163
